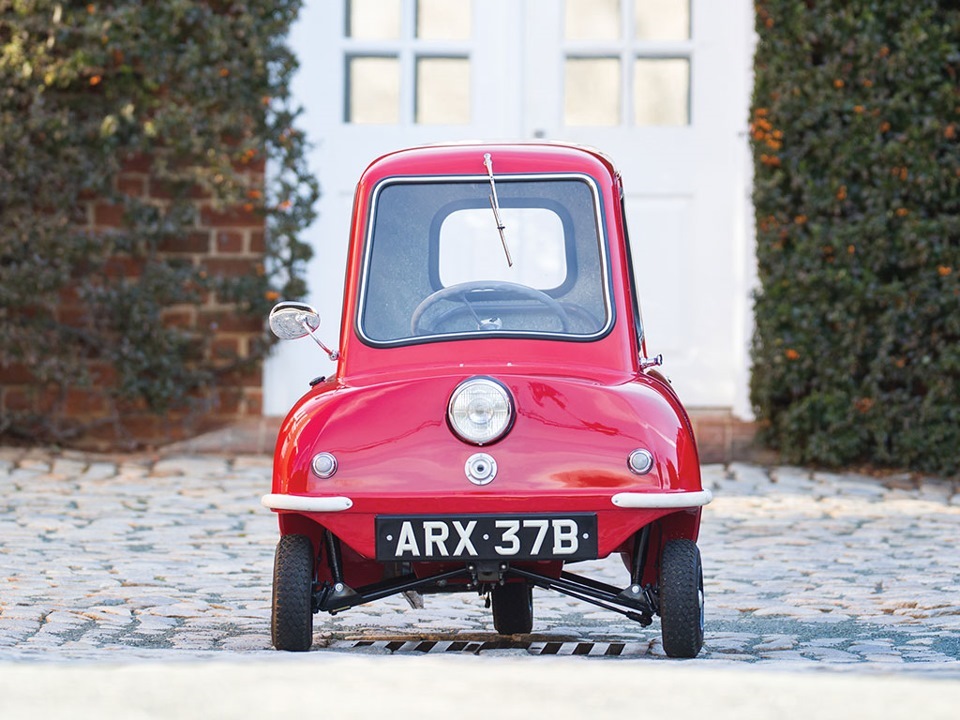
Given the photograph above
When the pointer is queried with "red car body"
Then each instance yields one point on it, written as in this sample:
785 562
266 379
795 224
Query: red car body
582 397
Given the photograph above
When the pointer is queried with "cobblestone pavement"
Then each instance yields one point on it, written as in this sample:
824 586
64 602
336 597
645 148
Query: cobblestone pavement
126 558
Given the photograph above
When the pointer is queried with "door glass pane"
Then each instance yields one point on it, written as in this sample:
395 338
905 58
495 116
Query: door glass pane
444 20
662 19
373 19
373 90
443 91
591 91
592 20
661 91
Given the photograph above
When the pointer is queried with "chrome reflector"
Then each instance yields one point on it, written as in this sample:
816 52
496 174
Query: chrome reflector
324 465
640 461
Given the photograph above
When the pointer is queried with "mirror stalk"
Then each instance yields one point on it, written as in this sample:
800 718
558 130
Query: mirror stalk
655 361
332 354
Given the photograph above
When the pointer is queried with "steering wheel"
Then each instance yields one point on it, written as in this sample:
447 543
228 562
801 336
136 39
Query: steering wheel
470 292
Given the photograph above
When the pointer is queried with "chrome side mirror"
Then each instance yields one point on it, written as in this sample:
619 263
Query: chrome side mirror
293 320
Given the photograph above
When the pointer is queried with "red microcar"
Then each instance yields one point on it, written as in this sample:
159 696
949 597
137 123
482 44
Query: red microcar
494 418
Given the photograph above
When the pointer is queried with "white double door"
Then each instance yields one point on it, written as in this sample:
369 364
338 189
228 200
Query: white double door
661 86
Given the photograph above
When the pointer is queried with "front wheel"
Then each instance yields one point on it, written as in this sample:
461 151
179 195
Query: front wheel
293 574
681 599
513 608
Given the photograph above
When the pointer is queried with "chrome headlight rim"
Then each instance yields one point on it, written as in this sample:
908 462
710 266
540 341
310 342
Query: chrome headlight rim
502 392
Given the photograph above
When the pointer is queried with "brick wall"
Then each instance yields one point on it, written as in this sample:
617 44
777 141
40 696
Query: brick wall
723 438
231 243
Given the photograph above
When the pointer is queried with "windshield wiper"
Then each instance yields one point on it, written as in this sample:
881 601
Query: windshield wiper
495 204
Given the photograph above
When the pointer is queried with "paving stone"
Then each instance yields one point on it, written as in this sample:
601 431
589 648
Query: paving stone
777 642
792 479
832 655
781 655
37 464
68 468
98 471
748 478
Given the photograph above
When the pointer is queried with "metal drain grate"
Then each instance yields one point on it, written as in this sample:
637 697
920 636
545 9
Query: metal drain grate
593 649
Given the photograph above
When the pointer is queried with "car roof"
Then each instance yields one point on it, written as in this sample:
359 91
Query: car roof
466 158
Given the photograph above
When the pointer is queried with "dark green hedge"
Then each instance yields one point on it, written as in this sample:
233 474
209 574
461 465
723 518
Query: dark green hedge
855 130
199 92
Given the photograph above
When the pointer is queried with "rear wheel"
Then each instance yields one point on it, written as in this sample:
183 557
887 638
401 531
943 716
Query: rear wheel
293 574
513 608
681 599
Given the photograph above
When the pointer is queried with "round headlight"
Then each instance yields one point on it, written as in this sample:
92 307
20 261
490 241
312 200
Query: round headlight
480 410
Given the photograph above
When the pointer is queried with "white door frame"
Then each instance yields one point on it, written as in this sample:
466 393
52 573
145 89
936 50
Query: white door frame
688 188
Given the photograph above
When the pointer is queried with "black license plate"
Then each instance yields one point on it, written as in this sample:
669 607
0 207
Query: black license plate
487 537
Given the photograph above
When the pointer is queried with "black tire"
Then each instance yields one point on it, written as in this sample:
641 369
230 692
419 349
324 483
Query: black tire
513 608
293 574
681 599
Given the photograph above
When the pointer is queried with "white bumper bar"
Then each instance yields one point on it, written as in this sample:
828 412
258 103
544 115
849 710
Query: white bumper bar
661 500
302 503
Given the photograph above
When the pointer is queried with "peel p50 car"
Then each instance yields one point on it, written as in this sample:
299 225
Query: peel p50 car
494 418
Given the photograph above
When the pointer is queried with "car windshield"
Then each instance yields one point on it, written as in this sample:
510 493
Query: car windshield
462 258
